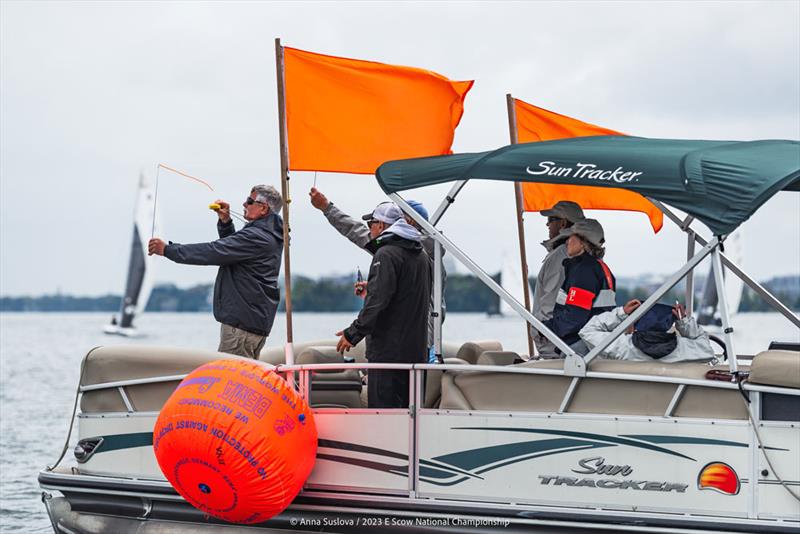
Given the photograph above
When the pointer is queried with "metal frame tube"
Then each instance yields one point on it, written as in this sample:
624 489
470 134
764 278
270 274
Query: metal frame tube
755 454
690 277
437 299
676 398
768 297
413 457
722 305
449 198
132 382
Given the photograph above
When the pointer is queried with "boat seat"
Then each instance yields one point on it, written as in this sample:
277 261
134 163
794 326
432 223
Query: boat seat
497 357
545 393
276 355
776 368
433 383
337 388
471 350
469 353
132 362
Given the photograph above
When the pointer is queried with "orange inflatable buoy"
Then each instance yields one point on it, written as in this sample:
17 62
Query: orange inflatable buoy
236 441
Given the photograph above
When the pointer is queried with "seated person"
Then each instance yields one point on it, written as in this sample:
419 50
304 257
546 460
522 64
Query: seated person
649 338
588 287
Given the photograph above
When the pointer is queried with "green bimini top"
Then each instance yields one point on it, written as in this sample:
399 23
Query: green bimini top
721 183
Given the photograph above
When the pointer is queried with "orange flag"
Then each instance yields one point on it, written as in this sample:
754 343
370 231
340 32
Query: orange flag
537 124
348 115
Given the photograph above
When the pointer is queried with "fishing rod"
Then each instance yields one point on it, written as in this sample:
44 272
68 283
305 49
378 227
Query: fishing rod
216 207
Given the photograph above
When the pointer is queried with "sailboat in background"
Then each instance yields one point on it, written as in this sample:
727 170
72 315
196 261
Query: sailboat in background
140 266
707 312
511 280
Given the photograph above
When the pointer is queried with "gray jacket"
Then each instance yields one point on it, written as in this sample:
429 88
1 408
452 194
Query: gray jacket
246 292
693 344
549 279
358 233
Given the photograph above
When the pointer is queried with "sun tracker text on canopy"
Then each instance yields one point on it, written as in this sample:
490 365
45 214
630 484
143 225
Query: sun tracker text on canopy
721 183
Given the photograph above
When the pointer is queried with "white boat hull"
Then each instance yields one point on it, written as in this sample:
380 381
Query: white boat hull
561 462
116 330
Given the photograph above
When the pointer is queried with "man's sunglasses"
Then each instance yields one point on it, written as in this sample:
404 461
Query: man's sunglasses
372 221
250 201
551 220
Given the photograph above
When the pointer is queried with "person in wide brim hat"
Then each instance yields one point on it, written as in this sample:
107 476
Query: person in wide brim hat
589 286
585 235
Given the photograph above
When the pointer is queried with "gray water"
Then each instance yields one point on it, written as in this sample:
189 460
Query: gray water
40 356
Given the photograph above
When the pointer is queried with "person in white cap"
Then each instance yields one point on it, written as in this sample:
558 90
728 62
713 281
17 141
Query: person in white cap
551 274
395 314
355 231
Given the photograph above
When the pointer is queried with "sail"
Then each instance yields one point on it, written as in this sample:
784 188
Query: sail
707 312
511 280
139 281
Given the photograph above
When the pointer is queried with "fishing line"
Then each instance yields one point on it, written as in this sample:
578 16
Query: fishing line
160 166
239 216
176 171
155 203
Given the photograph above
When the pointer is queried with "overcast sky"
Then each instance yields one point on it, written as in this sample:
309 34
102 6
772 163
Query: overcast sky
93 93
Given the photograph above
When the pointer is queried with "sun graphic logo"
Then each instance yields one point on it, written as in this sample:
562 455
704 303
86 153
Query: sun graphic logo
719 476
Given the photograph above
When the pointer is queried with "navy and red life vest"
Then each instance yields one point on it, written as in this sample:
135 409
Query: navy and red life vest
588 290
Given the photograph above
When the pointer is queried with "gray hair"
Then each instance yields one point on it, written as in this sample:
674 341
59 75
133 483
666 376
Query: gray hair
268 195
594 250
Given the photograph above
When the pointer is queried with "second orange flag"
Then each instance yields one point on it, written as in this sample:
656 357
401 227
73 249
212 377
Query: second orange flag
537 124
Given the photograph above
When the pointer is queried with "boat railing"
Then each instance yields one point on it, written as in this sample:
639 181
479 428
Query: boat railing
310 368
504 369
302 374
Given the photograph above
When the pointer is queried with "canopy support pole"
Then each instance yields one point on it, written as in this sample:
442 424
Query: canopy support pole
764 293
690 277
523 257
437 301
448 199
722 302
652 299
573 365
284 150
438 253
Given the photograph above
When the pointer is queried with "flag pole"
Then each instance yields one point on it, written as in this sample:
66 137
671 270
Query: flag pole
523 257
289 353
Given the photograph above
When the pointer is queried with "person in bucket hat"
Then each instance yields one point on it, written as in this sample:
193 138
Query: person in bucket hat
589 286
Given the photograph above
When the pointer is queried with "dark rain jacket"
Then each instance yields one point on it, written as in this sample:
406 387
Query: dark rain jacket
395 314
246 292
358 234
588 290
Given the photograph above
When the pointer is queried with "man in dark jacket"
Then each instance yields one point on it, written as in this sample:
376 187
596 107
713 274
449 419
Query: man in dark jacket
246 292
394 317
359 235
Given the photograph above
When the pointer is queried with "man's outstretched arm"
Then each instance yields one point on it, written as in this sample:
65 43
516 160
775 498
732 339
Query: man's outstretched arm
353 229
